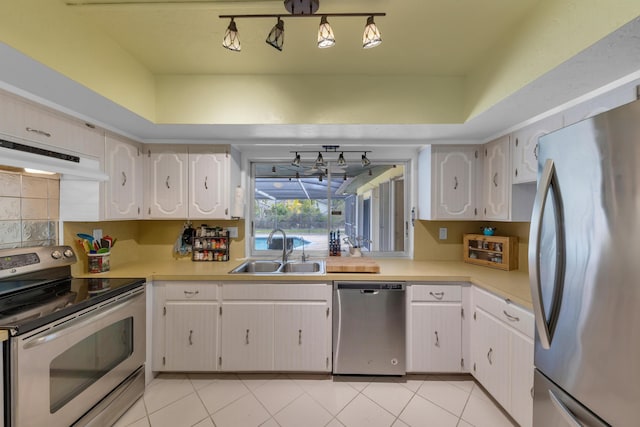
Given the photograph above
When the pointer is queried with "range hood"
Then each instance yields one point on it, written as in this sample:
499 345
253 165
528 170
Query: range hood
21 154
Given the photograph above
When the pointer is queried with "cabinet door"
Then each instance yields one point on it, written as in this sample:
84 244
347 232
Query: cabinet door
435 343
301 336
11 115
247 336
521 379
41 125
209 185
456 181
166 194
497 182
490 355
191 336
124 189
525 148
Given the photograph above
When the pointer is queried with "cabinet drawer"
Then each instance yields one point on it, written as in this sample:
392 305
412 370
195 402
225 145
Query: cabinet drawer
276 291
503 309
436 293
191 291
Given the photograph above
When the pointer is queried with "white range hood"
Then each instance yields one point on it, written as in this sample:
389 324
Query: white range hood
27 154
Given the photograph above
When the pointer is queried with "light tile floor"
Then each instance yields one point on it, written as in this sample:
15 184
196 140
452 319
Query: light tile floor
279 400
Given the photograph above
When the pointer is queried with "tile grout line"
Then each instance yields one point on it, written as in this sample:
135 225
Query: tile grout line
202 402
465 407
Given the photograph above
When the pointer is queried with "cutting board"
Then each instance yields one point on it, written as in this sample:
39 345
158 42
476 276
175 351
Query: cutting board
351 265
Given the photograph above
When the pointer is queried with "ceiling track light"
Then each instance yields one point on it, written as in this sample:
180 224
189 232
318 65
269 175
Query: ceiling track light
340 161
304 9
276 35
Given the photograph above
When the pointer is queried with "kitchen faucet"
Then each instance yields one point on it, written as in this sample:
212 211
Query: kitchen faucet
285 253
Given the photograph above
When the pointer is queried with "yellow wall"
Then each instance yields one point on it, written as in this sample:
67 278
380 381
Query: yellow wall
552 33
143 240
53 34
428 247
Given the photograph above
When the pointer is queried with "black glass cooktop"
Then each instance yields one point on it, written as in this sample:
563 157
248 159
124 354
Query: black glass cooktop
27 304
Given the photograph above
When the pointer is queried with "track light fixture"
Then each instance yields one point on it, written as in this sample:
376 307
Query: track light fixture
276 35
304 9
231 40
296 160
340 161
319 161
325 34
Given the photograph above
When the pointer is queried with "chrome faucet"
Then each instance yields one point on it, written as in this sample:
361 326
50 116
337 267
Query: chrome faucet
285 253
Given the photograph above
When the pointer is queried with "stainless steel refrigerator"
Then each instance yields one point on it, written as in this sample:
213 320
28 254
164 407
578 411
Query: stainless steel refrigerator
584 263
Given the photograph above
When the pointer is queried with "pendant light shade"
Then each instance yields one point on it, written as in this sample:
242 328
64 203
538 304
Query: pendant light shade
296 161
231 40
341 160
371 36
325 34
276 35
319 161
365 162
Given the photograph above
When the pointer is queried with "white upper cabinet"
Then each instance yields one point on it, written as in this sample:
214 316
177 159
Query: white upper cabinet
497 182
524 146
123 162
450 182
209 190
165 192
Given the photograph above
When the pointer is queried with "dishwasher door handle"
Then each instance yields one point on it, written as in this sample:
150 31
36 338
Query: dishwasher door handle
370 291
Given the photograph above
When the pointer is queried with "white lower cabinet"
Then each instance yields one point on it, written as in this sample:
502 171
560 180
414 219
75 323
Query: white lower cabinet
247 336
276 327
301 334
191 329
502 353
434 320
186 326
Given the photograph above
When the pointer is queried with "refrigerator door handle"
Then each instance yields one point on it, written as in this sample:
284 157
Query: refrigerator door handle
567 415
547 180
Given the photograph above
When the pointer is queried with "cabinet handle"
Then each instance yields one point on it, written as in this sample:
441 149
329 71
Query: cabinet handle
455 182
510 317
167 182
124 179
437 295
39 132
495 179
516 172
190 337
246 338
535 151
206 187
299 336
490 355
516 142
191 293
437 340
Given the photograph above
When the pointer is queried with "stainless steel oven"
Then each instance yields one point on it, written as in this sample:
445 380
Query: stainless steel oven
76 347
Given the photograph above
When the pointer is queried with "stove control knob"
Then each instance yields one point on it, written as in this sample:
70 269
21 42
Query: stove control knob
56 255
68 253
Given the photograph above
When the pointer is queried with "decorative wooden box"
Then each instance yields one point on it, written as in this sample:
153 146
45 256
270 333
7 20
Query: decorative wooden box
491 251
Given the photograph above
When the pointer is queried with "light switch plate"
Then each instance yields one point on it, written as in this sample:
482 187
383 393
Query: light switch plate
233 232
97 233
443 233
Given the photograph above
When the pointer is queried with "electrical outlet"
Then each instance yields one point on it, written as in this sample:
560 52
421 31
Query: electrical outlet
97 233
443 233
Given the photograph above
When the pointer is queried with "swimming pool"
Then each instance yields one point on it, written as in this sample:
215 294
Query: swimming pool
261 242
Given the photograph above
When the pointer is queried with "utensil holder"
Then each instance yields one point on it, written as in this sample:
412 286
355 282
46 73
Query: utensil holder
99 263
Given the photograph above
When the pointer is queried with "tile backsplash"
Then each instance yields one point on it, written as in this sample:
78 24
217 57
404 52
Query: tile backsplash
29 209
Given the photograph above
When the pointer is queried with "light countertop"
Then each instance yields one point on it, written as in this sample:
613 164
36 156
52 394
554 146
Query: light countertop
508 284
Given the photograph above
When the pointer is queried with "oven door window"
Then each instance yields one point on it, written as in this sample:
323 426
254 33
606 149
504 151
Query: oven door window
77 368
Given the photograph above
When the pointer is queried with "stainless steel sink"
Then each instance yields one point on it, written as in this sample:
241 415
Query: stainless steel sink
257 266
303 267
278 268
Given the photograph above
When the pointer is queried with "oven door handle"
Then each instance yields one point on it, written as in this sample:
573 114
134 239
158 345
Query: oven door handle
80 322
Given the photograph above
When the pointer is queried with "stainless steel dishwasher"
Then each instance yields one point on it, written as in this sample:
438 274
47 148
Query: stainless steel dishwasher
369 328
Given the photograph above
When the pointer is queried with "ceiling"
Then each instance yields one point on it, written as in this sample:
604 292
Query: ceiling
447 43
419 37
